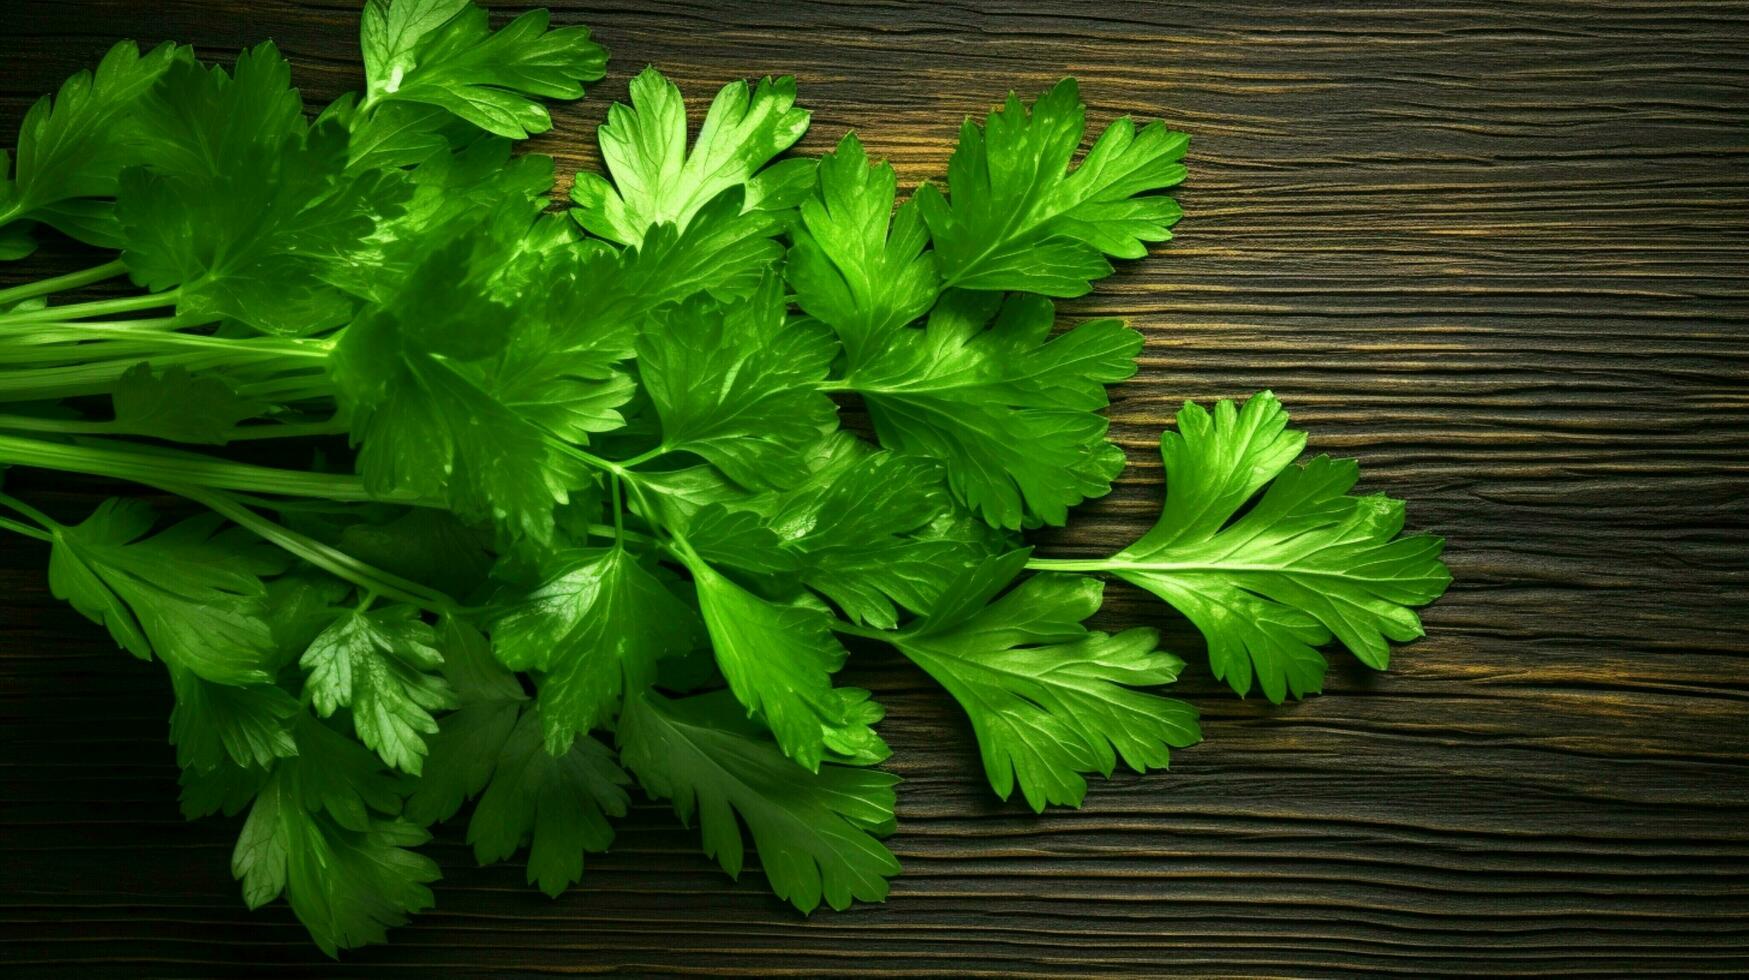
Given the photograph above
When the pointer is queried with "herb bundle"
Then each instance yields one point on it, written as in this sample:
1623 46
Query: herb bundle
594 519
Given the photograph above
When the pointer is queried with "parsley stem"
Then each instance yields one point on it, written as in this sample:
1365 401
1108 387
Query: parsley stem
598 462
840 626
41 332
100 307
152 468
619 524
289 388
102 427
19 527
370 580
99 377
57 284
605 529
1069 564
27 510
644 457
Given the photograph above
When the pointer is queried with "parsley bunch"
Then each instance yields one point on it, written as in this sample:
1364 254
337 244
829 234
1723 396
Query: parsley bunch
594 519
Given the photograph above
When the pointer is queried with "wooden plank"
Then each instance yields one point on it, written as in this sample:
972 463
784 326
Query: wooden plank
1497 250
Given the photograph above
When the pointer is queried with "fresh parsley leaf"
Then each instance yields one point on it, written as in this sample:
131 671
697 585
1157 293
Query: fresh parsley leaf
740 385
451 394
390 32
1008 409
1305 563
72 148
1017 218
192 594
245 209
853 526
379 664
226 788
779 659
739 539
724 252
655 180
348 874
1048 698
558 804
464 752
849 268
817 833
444 53
594 628
213 724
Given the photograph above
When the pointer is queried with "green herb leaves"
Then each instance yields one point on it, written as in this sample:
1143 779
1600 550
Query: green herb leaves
378 664
72 148
1048 699
1017 218
585 512
443 53
817 833
656 181
192 594
1010 410
1306 562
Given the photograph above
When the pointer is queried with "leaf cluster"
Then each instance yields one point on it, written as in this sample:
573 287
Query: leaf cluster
566 503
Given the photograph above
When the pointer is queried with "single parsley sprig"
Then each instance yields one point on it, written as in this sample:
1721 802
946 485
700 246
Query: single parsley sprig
594 520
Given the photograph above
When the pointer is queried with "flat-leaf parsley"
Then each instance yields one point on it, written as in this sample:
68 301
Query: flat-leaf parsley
563 503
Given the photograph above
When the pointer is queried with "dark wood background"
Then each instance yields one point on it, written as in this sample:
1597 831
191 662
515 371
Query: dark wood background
1497 250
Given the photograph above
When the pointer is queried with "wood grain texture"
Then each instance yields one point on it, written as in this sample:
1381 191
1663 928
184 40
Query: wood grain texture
1497 250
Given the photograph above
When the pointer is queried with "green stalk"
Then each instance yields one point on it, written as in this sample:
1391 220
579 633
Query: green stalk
99 377
170 338
19 527
60 284
851 629
27 510
101 307
109 459
368 578
100 427
1070 564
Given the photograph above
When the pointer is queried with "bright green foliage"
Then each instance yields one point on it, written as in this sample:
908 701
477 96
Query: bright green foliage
1048 699
444 53
594 629
1307 562
464 752
739 385
1018 218
192 594
216 723
379 664
656 181
849 268
1010 410
817 832
507 487
858 528
556 803
323 832
72 148
778 658
245 207
454 395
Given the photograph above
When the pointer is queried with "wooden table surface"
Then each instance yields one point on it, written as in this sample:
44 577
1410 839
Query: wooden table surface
1497 250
